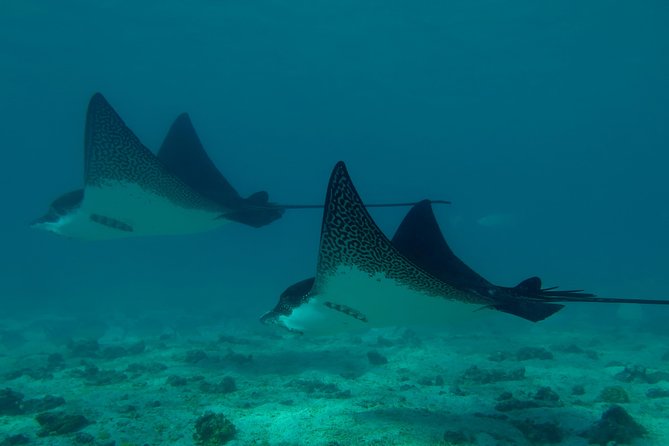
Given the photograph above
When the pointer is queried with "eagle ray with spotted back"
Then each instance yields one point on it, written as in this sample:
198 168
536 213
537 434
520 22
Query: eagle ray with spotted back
114 155
131 192
364 280
351 238
128 191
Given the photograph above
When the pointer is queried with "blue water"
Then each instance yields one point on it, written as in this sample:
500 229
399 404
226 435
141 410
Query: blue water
545 124
551 114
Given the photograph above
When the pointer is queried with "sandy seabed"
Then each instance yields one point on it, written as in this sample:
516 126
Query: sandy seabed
122 386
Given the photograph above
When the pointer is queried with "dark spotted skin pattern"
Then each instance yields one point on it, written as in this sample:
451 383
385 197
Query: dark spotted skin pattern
114 153
350 237
347 311
294 296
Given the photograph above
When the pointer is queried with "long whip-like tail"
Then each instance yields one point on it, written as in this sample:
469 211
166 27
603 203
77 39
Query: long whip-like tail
370 205
531 290
575 297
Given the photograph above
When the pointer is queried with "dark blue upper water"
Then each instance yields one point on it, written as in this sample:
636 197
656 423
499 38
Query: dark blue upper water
546 124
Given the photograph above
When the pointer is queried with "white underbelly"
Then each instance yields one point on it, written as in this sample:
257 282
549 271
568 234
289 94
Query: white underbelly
127 210
351 300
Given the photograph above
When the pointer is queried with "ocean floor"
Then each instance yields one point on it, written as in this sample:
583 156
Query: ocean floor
69 382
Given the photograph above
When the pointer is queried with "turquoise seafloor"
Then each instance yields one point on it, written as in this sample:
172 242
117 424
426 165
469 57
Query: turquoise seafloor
115 385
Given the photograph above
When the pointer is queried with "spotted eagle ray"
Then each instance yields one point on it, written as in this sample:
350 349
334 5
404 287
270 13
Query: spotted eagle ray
365 280
129 191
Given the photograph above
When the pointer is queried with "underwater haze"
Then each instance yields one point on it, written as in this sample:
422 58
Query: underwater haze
544 123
